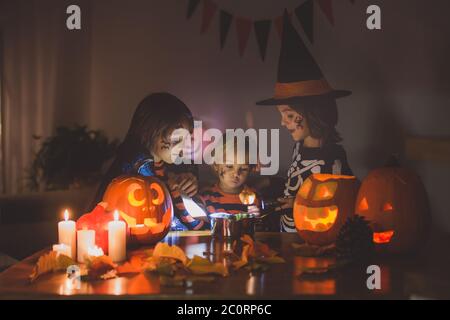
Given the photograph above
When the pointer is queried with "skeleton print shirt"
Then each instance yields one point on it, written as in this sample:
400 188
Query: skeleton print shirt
305 161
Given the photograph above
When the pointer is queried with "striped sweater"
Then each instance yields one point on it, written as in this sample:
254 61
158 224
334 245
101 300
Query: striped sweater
216 200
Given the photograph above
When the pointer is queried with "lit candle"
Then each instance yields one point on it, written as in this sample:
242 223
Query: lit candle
117 239
62 249
67 233
85 240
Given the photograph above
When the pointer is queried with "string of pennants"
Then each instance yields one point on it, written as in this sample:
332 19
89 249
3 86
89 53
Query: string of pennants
244 25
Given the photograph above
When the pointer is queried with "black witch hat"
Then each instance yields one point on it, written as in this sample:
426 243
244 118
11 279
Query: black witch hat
299 76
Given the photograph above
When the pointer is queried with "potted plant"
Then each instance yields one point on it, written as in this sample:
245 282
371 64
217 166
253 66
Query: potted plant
73 157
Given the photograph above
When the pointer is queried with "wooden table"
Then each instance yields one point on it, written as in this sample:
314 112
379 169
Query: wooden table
403 278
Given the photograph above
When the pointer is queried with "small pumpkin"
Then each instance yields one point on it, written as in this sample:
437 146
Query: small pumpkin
322 205
395 202
144 203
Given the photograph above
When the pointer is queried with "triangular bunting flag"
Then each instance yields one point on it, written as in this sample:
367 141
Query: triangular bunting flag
192 6
327 8
279 24
225 23
305 14
243 28
209 9
262 30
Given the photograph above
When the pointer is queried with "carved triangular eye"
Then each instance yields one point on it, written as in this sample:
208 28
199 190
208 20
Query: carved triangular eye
387 207
363 205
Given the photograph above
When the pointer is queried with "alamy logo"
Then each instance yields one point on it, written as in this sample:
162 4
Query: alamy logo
374 280
239 147
73 21
74 277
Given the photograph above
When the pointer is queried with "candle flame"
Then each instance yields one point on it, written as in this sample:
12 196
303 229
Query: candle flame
66 215
116 215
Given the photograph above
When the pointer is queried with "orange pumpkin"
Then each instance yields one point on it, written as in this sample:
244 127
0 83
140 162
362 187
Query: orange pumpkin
394 200
322 205
144 203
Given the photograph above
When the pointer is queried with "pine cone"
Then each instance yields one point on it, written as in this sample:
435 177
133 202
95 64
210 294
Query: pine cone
355 240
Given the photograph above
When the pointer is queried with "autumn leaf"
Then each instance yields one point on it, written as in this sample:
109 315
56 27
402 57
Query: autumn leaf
99 266
244 258
202 266
50 262
164 250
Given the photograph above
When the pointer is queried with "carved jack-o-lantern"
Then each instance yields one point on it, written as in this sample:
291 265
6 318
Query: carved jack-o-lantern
394 200
322 205
144 203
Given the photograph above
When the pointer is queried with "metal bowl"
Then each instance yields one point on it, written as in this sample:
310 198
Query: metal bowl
232 226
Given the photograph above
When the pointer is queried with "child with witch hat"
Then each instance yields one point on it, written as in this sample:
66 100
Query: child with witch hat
307 105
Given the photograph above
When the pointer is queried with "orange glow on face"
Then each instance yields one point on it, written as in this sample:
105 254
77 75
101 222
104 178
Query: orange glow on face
387 207
383 237
363 205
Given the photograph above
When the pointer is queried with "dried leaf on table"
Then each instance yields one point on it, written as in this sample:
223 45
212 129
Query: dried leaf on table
50 262
257 248
166 269
111 274
244 258
247 239
99 266
202 266
152 263
164 250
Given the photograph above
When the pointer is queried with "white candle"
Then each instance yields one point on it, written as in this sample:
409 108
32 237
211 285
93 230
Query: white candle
117 239
85 240
63 249
67 233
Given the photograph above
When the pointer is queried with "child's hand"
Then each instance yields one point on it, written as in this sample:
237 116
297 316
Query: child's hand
285 203
185 183
254 210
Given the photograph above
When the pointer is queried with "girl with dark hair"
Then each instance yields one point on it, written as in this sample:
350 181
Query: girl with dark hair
150 148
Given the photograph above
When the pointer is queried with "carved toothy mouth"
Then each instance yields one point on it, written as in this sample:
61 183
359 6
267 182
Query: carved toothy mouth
383 237
149 223
316 219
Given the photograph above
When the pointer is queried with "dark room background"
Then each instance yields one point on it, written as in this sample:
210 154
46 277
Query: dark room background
127 49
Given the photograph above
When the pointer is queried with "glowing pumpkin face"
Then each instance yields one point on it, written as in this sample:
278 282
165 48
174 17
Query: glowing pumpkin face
394 200
144 203
322 205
